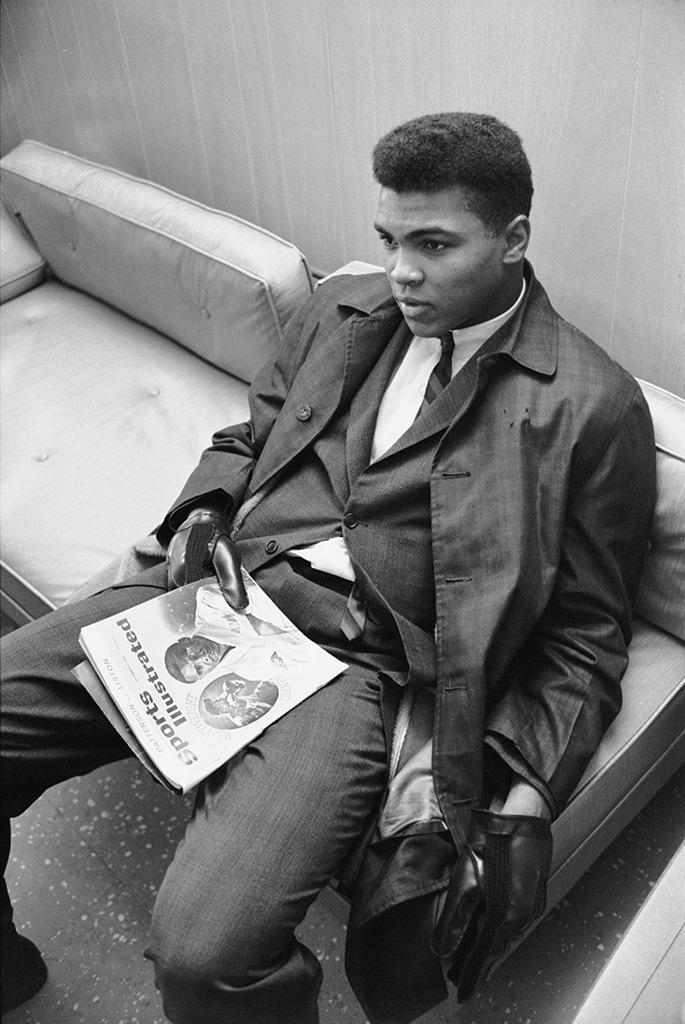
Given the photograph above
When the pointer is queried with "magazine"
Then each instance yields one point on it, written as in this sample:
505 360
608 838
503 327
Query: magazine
188 682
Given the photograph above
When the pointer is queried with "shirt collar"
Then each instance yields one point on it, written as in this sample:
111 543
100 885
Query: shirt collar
481 332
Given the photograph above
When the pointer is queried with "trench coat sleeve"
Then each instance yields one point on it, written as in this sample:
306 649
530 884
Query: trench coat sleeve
563 689
225 468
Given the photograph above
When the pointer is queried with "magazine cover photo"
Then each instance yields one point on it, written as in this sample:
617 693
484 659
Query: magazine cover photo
188 681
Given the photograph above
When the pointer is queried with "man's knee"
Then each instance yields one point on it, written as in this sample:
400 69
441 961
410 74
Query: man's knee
213 959
202 936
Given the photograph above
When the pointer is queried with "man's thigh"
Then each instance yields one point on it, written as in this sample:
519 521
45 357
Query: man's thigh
51 729
270 831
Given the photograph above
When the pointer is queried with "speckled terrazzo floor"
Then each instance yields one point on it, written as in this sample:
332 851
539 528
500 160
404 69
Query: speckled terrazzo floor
88 857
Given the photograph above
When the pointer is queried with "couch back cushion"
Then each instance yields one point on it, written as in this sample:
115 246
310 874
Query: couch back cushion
661 597
219 285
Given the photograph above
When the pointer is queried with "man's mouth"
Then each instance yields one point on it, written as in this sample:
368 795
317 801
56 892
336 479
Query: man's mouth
411 306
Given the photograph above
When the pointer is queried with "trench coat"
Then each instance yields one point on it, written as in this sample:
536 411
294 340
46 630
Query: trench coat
541 492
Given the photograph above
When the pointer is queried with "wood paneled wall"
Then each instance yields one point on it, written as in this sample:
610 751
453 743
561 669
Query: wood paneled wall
269 108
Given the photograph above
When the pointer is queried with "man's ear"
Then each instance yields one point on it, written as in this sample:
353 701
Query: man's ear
516 238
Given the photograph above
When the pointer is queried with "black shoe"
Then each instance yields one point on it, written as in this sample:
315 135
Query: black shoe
23 972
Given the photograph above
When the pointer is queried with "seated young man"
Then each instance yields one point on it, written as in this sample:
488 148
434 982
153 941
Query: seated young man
449 487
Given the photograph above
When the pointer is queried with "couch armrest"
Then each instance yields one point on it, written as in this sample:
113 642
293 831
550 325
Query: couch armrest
21 265
661 597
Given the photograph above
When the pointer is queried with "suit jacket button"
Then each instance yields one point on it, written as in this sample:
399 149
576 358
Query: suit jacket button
350 520
303 411
271 546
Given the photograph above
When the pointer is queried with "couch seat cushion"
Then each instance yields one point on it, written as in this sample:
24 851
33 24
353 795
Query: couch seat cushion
95 404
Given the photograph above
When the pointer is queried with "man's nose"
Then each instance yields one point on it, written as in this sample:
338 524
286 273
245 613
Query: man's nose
404 270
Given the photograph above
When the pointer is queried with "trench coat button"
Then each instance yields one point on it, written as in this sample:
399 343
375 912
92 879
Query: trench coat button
350 520
303 411
271 546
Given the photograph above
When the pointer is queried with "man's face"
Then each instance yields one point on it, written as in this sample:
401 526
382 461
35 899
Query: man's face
202 655
445 268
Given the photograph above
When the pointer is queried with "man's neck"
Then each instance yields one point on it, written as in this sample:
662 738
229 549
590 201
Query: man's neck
486 328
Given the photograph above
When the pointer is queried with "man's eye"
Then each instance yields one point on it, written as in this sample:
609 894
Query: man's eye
387 242
434 246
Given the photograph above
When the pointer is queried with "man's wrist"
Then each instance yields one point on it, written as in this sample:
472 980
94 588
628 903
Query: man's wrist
215 502
523 798
201 515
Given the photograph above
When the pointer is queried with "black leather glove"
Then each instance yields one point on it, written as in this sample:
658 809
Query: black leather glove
497 889
202 545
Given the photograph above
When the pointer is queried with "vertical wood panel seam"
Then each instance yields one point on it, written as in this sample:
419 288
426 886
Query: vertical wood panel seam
277 125
77 38
8 100
374 86
134 104
626 179
241 97
21 69
341 220
524 65
374 94
193 94
58 51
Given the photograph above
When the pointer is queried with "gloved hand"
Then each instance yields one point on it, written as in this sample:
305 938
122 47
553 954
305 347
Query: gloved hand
497 889
202 544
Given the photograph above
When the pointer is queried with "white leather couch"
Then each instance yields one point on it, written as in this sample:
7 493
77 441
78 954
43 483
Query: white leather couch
129 331
152 315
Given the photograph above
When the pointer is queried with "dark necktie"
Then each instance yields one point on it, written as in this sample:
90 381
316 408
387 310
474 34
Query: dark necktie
441 374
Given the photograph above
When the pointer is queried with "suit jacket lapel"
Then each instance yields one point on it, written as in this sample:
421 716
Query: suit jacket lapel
365 403
332 374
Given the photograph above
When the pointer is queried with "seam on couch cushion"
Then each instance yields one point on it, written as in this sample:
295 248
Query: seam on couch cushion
158 188
22 275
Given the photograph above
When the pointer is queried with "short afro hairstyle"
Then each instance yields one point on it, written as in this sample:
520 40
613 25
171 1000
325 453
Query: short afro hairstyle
475 152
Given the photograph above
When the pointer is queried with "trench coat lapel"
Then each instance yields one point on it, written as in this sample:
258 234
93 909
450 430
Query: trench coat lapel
333 374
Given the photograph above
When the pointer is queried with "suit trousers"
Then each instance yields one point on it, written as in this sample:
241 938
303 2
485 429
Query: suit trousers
267 832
